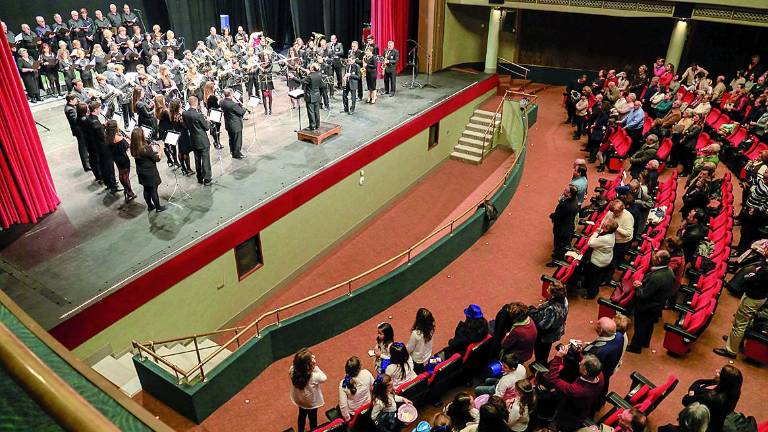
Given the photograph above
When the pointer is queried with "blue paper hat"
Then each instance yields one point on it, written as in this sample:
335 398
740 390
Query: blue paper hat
473 311
423 426
622 190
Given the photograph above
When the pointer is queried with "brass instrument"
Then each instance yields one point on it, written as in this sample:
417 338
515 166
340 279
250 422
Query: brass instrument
317 37
269 42
384 62
362 70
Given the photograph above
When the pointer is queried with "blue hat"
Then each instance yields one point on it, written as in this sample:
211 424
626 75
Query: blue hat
423 426
622 190
473 311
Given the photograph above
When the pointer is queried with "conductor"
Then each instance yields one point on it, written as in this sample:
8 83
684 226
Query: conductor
233 122
313 85
198 127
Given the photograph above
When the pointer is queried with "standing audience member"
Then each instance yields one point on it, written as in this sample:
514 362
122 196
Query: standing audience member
354 388
651 295
608 348
420 343
577 398
504 387
549 319
719 394
623 235
306 378
601 244
755 294
473 329
693 418
563 219
521 337
146 157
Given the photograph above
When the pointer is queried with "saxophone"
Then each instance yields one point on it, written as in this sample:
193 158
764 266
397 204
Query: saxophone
362 71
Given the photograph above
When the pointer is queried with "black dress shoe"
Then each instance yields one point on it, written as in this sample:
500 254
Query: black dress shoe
634 349
150 208
206 182
724 353
551 264
161 209
242 156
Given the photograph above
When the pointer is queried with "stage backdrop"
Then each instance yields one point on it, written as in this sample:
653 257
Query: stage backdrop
389 21
26 188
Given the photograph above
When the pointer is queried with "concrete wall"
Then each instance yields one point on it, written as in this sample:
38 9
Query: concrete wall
465 34
288 245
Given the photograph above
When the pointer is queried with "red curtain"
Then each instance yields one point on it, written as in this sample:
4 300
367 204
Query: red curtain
26 188
389 21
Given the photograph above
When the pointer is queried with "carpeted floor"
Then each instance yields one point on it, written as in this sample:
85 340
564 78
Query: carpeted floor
503 266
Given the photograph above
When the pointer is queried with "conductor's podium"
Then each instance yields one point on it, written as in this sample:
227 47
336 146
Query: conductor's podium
319 135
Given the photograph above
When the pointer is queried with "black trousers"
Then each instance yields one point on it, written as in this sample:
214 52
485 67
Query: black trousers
561 243
644 322
82 150
390 82
324 95
216 134
151 197
203 163
127 114
235 142
345 98
313 112
636 135
107 171
94 159
337 71
541 351
303 414
593 277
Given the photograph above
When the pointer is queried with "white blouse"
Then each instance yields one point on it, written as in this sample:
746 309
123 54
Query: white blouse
419 349
348 402
311 396
395 371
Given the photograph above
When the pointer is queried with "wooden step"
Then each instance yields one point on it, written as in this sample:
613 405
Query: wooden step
462 157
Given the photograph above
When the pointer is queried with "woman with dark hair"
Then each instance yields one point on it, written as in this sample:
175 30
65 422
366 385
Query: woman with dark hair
549 319
400 366
473 329
384 411
521 337
493 418
461 411
146 168
385 337
720 395
420 343
143 109
183 144
306 378
119 146
354 388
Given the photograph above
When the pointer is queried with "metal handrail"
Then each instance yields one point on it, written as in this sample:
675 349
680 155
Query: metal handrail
492 126
346 284
523 74
514 64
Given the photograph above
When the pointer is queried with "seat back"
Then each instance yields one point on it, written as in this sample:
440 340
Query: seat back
337 425
361 420
713 115
655 396
444 377
416 389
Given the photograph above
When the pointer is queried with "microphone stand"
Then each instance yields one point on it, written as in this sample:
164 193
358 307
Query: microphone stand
413 83
140 14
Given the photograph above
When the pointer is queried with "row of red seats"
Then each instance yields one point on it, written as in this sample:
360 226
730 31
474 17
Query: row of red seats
426 387
700 298
643 395
623 294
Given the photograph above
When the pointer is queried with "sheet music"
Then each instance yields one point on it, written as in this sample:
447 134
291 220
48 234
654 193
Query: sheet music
215 116
18 37
147 132
171 138
253 102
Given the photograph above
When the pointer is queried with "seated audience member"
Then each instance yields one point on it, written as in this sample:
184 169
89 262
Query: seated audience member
504 387
563 220
665 123
718 90
644 154
601 244
420 343
737 81
400 367
521 337
703 108
577 398
696 196
549 318
651 295
493 417
522 407
691 233
384 411
461 411
664 104
693 418
385 337
759 126
631 420
473 329
719 394
354 388
440 423
708 157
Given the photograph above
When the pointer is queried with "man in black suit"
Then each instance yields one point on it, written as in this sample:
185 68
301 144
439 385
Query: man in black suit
313 85
198 127
563 222
358 55
233 122
97 136
336 52
651 295
391 57
351 79
70 110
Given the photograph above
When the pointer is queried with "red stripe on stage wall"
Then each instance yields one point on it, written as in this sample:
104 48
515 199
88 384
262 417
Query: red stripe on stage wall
99 316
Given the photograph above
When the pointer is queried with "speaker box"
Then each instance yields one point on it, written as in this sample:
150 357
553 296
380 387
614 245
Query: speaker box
683 11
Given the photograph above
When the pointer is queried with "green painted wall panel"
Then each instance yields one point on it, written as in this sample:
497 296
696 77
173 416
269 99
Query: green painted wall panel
289 245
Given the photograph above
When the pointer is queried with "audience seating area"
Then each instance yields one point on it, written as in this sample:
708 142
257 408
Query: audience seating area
643 395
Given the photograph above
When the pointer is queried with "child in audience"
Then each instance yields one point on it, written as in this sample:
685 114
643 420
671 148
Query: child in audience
522 406
355 388
400 367
504 387
420 344
384 411
441 423
384 339
462 411
306 378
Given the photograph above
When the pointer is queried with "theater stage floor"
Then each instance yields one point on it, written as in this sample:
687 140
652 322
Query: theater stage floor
95 243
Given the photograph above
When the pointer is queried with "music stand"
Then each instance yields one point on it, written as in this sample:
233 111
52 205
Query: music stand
217 117
296 94
171 140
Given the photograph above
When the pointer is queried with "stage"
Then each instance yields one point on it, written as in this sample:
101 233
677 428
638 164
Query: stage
95 244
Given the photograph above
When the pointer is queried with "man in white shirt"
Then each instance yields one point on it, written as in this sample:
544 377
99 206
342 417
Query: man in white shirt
504 387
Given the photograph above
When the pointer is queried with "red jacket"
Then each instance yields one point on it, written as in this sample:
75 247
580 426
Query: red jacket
578 398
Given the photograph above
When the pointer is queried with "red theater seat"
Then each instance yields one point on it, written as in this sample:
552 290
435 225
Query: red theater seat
361 420
679 337
756 346
416 389
337 425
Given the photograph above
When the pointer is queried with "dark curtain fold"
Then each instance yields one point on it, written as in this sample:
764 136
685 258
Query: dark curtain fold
236 11
192 19
27 192
345 19
273 17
